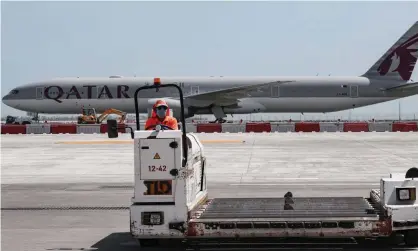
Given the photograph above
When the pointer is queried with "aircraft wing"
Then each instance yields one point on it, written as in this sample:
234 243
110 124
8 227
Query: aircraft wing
225 96
405 87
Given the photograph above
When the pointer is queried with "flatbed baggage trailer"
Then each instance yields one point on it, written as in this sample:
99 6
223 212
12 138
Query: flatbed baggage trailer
171 200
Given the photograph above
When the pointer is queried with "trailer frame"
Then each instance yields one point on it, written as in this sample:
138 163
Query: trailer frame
171 199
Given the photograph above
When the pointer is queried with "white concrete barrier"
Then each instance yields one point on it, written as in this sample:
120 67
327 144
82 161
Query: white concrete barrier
190 128
282 127
331 127
233 128
133 126
380 127
88 129
38 128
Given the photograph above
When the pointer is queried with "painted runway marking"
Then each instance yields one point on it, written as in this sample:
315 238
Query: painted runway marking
95 142
288 178
305 184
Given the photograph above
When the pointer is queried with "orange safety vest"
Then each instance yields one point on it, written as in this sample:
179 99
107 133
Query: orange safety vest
154 120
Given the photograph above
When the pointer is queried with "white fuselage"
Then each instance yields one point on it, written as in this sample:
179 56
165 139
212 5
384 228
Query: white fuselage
305 94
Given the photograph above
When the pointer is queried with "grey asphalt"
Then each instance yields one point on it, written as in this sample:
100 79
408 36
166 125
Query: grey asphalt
48 171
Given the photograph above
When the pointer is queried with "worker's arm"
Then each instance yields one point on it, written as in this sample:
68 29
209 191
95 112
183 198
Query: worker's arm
149 125
174 124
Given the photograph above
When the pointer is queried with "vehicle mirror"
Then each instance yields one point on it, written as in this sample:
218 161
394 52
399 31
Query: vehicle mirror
112 128
412 173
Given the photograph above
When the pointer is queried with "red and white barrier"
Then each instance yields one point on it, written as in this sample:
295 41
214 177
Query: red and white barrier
63 128
380 127
404 127
307 127
331 127
13 129
38 129
88 129
189 128
121 128
133 126
356 127
233 128
57 128
283 127
257 127
209 128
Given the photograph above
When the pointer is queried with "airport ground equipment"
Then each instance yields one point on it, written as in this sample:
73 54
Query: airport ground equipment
171 201
10 120
89 116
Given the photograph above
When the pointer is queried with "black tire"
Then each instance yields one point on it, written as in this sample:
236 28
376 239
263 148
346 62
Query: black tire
392 240
364 242
411 238
148 242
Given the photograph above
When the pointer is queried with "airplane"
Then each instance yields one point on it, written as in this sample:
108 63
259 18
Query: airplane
387 79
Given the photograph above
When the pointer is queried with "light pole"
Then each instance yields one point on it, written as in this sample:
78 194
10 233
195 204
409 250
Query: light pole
399 110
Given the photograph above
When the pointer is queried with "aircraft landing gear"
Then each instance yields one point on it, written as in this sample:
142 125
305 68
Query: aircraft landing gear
36 117
219 114
220 120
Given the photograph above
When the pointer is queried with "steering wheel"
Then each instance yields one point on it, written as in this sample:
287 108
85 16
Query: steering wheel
164 127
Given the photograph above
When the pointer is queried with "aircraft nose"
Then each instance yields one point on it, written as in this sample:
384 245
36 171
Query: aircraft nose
6 99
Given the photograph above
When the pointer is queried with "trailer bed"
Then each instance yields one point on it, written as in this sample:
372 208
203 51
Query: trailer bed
309 217
303 207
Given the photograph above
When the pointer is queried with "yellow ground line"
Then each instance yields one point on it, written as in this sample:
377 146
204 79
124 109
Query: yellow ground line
223 141
92 142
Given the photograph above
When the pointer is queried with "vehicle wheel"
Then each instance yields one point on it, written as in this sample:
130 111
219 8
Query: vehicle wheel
148 242
411 238
365 242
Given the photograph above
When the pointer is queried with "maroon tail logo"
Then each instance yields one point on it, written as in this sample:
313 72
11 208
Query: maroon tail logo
402 59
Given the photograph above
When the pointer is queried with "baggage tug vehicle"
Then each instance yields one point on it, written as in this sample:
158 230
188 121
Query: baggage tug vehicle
170 199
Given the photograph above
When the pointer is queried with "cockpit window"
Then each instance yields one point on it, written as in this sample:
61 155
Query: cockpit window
14 91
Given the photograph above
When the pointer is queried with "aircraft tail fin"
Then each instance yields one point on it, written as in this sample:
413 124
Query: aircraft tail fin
399 61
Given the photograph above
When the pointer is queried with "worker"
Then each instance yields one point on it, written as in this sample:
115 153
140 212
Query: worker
161 115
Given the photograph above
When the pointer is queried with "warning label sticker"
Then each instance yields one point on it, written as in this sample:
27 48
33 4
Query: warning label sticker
157 156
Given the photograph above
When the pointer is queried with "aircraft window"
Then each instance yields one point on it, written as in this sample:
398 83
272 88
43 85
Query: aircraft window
14 92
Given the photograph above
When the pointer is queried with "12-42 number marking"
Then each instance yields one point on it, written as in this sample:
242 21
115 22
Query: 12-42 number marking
161 168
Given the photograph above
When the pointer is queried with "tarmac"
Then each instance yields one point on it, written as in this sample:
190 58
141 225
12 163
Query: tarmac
79 170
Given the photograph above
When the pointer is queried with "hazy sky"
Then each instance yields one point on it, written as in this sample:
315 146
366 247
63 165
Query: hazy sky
42 40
